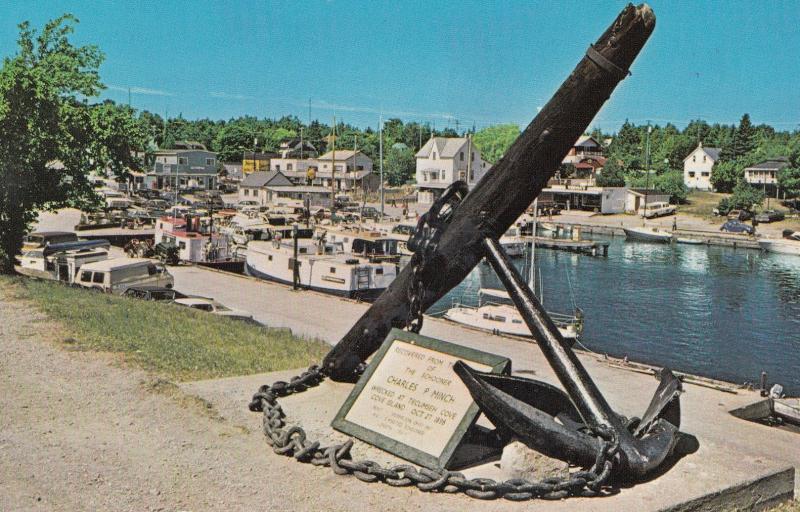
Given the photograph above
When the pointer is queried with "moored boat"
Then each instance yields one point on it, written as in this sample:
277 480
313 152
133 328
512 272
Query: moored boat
647 234
780 245
323 267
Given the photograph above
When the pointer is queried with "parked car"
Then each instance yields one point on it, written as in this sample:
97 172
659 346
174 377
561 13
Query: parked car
118 274
657 209
244 204
153 293
739 215
370 212
737 226
770 216
212 306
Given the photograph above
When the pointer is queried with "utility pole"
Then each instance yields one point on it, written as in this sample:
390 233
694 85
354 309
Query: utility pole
301 143
333 164
647 167
469 159
380 158
295 266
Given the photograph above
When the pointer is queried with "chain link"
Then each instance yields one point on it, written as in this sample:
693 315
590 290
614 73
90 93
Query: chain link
293 442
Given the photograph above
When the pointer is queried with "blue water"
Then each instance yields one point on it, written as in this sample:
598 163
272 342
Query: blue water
714 311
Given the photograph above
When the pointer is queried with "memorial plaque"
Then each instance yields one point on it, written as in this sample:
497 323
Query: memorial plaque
411 403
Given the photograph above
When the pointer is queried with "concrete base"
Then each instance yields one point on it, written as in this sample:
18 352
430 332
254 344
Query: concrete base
736 468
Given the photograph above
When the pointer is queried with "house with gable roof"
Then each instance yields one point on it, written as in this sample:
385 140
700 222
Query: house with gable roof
444 160
698 166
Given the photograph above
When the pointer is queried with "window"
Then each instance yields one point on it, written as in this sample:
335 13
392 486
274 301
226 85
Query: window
705 174
333 270
288 167
461 155
182 245
98 277
691 174
694 158
182 160
434 155
203 307
209 161
277 167
86 276
444 175
704 158
379 271
269 257
247 192
462 175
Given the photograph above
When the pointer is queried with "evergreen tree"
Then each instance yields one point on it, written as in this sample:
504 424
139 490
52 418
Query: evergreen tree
744 141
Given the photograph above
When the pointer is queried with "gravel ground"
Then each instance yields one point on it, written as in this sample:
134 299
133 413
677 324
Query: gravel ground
79 431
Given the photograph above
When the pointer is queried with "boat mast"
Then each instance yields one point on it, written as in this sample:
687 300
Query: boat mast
532 269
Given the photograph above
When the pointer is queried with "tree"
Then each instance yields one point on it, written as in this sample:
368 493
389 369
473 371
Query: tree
744 143
400 165
745 197
612 175
671 182
494 141
51 138
789 181
726 175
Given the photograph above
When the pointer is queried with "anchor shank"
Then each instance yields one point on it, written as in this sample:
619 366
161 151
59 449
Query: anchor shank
583 392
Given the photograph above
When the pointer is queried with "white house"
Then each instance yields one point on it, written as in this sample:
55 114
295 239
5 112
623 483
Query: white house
442 161
296 156
765 174
697 167
254 186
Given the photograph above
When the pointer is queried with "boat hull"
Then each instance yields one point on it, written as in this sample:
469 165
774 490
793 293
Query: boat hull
781 246
366 295
647 236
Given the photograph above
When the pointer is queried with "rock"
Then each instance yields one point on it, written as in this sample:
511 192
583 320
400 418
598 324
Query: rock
519 461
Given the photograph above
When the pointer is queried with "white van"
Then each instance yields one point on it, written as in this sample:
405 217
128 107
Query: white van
118 274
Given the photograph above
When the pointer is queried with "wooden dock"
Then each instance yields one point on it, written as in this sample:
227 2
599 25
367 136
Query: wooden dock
589 247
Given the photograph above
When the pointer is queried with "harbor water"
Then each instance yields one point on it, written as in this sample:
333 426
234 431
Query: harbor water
714 311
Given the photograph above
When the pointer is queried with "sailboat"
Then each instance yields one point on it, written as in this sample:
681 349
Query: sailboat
497 314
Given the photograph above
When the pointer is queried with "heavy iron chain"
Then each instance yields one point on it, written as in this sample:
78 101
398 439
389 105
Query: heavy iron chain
293 442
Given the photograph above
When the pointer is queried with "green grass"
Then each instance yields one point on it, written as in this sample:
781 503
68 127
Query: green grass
789 506
701 203
178 342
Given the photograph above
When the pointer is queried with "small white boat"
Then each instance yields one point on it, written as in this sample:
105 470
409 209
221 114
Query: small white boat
780 245
689 241
506 319
513 242
647 234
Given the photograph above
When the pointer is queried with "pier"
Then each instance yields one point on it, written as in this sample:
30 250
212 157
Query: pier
590 247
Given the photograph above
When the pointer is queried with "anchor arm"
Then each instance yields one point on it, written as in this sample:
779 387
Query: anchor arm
506 190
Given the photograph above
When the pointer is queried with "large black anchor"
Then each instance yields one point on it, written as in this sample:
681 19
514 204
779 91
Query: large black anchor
561 425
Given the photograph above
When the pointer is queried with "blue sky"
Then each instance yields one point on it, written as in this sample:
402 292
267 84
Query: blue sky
475 61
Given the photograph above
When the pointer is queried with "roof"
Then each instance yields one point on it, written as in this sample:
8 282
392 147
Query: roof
260 178
712 153
586 140
446 147
342 155
309 189
189 144
249 155
647 192
772 164
107 265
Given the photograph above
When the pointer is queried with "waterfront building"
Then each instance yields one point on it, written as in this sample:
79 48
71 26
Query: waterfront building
584 197
445 160
698 166
642 199
187 165
765 174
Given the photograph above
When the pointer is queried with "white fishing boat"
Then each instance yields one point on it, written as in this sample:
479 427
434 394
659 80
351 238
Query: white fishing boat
322 266
780 245
502 318
648 234
689 241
